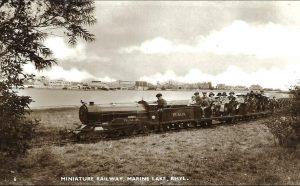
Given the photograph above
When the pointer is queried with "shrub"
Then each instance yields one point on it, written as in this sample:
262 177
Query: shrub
15 130
285 127
15 135
295 105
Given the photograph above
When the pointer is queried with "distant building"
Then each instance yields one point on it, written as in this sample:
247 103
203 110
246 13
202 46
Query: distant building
221 86
122 85
255 87
204 85
224 87
98 85
268 89
59 84
38 84
170 85
239 87
141 85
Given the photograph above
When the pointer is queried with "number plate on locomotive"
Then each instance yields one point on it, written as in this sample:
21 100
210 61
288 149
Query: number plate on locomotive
173 114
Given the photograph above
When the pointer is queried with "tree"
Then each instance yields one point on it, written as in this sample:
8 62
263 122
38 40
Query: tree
24 24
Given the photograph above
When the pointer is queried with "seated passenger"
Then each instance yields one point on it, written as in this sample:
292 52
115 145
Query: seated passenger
231 95
198 98
212 100
240 98
211 96
205 100
192 101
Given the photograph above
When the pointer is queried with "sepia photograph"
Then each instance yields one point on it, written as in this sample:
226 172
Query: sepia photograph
149 92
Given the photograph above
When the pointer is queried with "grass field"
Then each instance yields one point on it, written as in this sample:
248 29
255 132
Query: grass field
243 153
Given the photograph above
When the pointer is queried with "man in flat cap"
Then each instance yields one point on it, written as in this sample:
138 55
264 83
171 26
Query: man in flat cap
161 102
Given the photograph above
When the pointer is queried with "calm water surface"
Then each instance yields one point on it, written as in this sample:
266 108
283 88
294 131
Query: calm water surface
60 98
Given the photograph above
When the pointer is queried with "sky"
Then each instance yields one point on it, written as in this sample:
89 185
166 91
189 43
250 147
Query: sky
236 43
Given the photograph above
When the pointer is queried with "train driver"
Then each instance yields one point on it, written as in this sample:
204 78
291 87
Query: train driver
161 102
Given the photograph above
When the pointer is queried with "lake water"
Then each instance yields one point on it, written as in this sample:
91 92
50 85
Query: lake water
44 98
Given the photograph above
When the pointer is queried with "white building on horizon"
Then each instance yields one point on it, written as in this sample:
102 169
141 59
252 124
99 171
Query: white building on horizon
59 84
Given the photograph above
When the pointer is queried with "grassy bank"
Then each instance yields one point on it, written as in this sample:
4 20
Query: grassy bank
233 154
54 120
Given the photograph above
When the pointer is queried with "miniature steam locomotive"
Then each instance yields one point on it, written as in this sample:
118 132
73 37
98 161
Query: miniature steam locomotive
100 121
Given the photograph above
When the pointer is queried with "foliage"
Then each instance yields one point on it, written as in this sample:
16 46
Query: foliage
286 126
295 109
286 129
24 24
16 131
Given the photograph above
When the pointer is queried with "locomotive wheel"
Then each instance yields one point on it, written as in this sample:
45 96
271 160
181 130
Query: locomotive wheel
134 132
166 127
176 126
128 132
180 125
228 121
198 124
144 129
82 137
193 124
185 125
118 133
209 123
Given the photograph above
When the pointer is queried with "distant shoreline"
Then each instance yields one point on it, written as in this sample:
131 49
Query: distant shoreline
54 108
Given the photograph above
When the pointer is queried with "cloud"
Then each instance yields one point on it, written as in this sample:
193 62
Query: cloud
58 72
242 38
239 38
233 75
156 45
62 51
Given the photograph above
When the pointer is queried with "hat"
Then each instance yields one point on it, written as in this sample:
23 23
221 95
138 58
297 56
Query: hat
211 93
224 94
204 92
219 94
158 95
196 93
231 92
